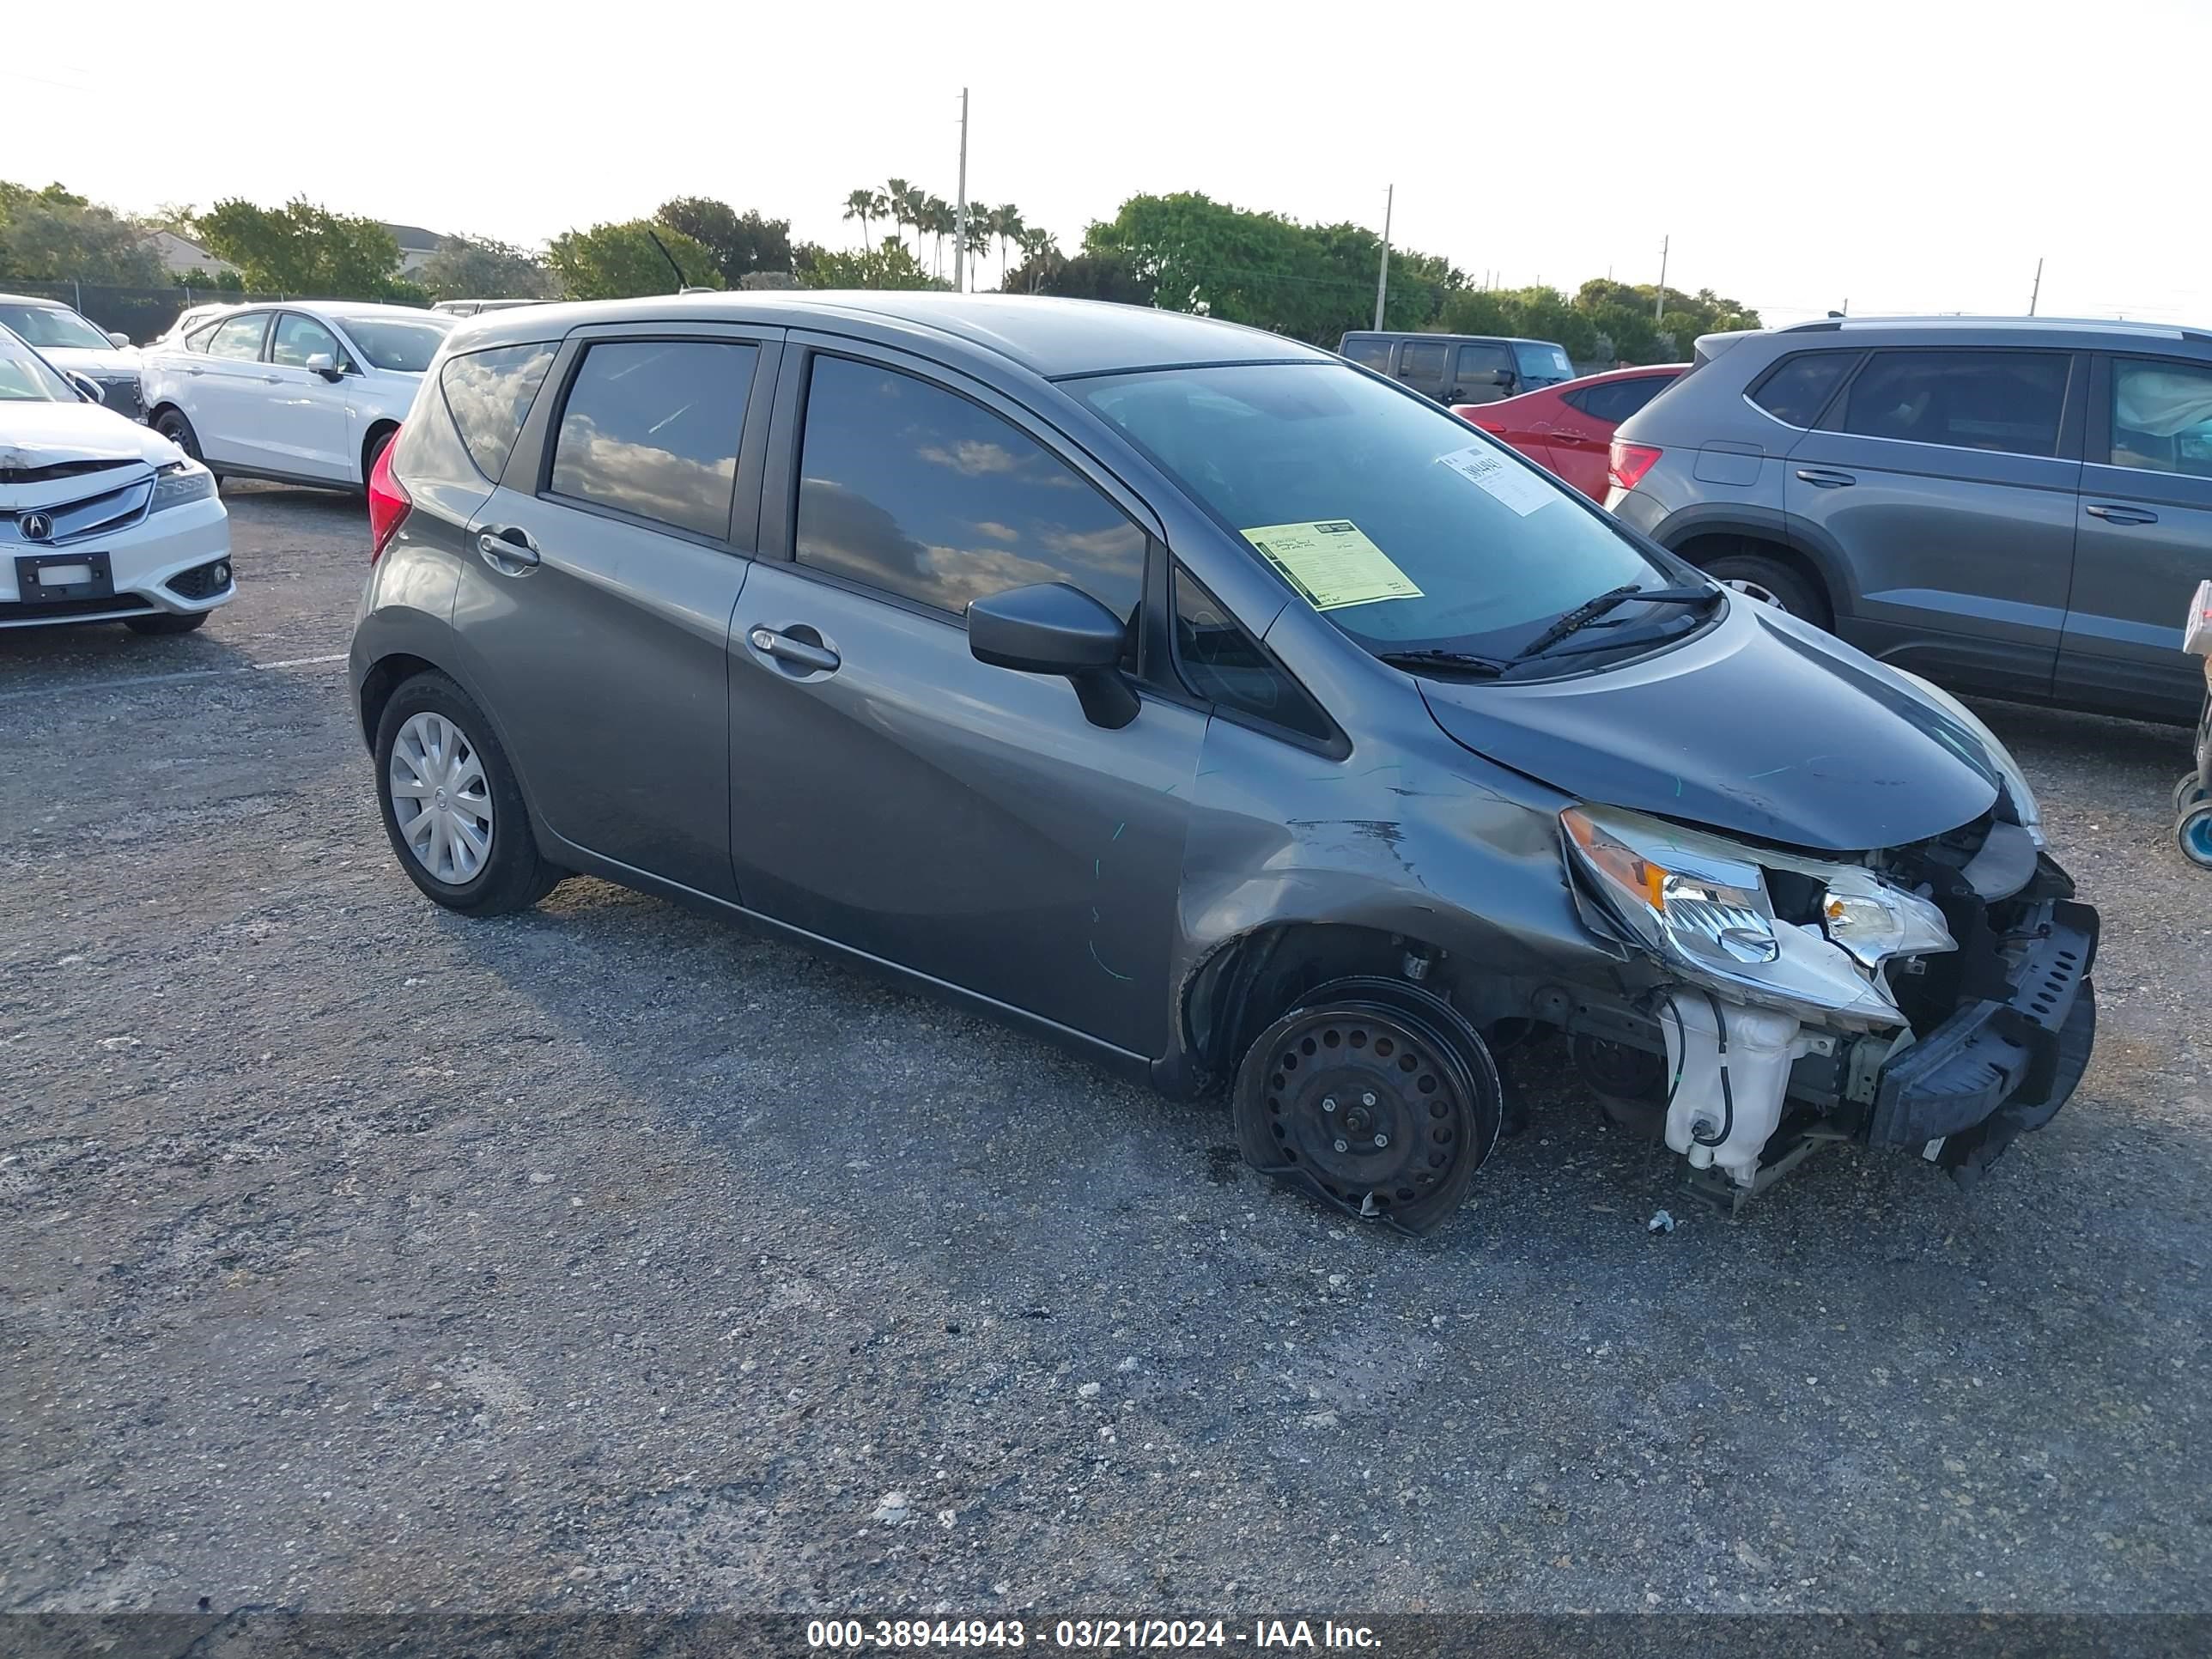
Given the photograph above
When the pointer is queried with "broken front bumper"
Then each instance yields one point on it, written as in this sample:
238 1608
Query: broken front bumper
2002 1064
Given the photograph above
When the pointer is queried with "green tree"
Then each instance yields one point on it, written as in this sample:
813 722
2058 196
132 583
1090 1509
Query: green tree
303 248
904 202
479 268
937 221
742 243
1107 275
1004 226
864 205
620 262
50 235
887 266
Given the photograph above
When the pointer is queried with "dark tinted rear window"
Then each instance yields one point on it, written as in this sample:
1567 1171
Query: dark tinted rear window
1421 362
652 427
1797 390
1375 354
2006 400
489 393
1616 400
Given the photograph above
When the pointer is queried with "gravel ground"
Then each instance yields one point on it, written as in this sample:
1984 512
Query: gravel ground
355 1256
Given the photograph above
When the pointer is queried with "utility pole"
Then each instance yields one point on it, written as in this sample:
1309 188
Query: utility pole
1659 305
1382 275
2037 292
960 220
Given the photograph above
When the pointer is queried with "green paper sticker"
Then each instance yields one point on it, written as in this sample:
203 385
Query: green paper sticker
1332 563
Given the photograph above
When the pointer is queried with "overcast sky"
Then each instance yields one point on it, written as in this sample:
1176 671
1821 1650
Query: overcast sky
1916 157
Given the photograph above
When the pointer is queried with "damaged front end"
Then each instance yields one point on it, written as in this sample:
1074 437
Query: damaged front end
1934 996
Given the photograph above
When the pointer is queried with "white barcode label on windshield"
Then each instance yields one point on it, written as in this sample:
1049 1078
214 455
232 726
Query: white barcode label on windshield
1508 481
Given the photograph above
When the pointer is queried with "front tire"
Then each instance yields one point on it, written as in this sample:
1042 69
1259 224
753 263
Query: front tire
173 424
166 621
450 805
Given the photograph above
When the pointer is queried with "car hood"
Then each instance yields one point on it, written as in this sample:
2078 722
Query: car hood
1763 724
36 435
85 360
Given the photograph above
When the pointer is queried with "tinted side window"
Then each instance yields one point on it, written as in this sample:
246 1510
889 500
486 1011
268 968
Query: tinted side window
489 393
651 426
1421 362
909 488
1797 390
1616 400
2162 417
198 338
299 338
2006 400
240 337
1223 664
1375 354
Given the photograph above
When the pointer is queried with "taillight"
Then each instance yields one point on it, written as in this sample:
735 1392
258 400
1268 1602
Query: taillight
388 501
1626 464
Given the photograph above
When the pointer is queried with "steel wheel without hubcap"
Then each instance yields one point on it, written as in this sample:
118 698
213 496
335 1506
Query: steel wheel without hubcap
2188 791
440 798
1382 1110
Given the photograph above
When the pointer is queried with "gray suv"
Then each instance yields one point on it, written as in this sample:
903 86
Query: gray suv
1209 704
2018 507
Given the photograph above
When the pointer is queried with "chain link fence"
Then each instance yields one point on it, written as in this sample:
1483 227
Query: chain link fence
141 313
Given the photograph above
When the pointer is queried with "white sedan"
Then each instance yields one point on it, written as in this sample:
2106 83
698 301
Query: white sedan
100 521
300 392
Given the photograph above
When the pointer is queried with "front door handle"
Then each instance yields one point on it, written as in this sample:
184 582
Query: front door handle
1821 478
819 659
2112 514
507 549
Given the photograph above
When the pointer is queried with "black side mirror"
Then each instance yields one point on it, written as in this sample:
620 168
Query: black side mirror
1052 628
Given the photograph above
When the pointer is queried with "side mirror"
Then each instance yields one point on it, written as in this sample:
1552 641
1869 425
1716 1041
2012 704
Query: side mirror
320 363
1052 628
115 338
1504 378
87 387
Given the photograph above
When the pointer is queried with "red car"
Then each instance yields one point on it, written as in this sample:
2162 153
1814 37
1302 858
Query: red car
1566 428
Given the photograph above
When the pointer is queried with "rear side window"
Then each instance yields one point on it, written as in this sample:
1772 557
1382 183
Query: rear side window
2162 417
1373 354
2003 400
1614 401
487 393
240 337
1421 362
198 338
1795 392
912 489
1223 664
651 426
1479 368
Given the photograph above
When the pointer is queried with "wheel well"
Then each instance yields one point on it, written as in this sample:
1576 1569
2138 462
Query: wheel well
377 686
1239 990
368 444
159 410
1701 551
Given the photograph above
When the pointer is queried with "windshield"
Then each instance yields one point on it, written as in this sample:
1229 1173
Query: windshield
1408 529
1542 362
54 325
402 344
26 378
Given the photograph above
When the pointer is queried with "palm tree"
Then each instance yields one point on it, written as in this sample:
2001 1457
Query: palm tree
864 205
937 221
1037 246
978 241
900 200
1006 224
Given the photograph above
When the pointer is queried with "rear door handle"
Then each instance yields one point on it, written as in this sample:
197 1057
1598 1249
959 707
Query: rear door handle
797 652
2112 514
1561 434
1821 478
507 549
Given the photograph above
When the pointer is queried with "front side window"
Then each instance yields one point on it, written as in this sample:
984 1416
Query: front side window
298 338
488 394
651 426
402 344
1795 392
1373 505
1484 371
1421 362
2000 400
912 489
1372 353
1543 364
53 325
239 338
2162 417
1223 664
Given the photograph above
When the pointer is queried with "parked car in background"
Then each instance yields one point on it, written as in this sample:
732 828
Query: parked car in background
190 318
100 521
1460 369
1205 703
477 307
302 392
68 341
2019 507
1567 429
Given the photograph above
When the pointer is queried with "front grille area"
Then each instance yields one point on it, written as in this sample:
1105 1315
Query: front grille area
121 394
102 514
62 610
200 582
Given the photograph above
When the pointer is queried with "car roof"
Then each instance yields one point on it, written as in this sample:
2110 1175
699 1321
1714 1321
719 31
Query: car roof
35 300
1431 334
2021 328
1052 337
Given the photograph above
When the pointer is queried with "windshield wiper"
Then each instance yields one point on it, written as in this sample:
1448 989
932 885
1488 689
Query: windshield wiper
1590 610
1453 662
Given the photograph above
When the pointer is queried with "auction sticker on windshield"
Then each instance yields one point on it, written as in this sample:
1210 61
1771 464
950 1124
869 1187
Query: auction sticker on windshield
1511 483
1332 563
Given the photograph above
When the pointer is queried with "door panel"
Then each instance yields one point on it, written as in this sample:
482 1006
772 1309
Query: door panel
223 392
963 821
303 423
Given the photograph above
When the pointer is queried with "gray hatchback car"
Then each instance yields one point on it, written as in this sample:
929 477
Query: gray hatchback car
1206 703
2017 507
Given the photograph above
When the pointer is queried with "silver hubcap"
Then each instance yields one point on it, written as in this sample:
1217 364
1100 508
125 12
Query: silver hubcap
1752 589
440 798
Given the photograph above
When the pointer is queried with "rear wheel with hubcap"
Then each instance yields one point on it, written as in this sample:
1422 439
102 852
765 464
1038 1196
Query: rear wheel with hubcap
1770 582
2192 833
1373 1096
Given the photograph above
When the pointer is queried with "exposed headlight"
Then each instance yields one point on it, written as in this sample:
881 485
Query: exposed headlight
1700 904
2025 810
180 482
